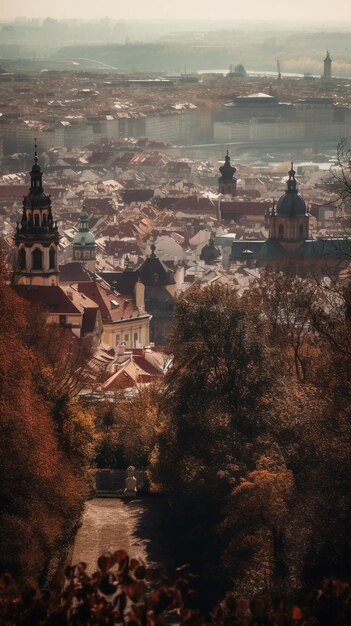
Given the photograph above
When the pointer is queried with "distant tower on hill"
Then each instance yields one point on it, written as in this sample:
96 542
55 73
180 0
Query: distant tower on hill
227 180
84 246
36 238
327 74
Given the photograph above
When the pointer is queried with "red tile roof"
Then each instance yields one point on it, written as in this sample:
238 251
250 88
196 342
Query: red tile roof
236 208
52 299
113 306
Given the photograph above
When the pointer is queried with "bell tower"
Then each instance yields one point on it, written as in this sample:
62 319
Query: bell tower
84 246
227 180
36 237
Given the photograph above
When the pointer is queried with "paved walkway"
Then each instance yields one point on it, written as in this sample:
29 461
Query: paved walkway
134 525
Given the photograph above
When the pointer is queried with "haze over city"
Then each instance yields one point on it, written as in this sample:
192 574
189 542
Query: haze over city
271 10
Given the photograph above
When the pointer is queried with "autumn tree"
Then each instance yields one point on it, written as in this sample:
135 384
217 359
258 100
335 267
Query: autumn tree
42 491
255 432
126 429
213 410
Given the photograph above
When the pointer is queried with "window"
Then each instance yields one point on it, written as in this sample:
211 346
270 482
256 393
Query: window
37 259
126 338
22 259
63 320
281 230
117 339
52 259
36 220
135 340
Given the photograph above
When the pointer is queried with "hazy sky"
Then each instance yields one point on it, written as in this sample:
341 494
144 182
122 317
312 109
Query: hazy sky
294 10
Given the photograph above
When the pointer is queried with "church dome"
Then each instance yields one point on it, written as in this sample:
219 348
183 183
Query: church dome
84 239
209 253
291 203
227 170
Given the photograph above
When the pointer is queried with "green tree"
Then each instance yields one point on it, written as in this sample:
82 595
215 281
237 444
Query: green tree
126 429
213 410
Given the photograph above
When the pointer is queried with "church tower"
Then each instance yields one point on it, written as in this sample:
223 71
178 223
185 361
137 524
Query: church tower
289 220
327 75
227 180
36 238
84 246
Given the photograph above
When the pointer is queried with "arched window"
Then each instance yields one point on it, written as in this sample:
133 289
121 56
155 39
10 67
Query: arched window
36 220
52 259
37 259
22 259
301 230
281 230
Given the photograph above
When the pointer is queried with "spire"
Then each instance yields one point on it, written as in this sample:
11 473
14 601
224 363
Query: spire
291 182
36 174
35 150
83 220
153 248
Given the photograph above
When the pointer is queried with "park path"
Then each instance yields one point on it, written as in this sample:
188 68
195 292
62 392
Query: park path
137 526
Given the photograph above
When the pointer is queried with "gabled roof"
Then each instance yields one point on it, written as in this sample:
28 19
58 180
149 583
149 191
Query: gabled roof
124 282
113 307
52 299
73 273
154 272
266 250
270 249
332 248
137 369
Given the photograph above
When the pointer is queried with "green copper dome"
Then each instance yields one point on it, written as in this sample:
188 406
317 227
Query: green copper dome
84 239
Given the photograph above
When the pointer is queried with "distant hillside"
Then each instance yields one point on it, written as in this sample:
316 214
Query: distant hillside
297 53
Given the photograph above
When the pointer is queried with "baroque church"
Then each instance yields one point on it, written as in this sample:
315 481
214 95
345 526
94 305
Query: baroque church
289 246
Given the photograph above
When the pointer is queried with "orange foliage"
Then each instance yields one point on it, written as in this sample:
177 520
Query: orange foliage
39 492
